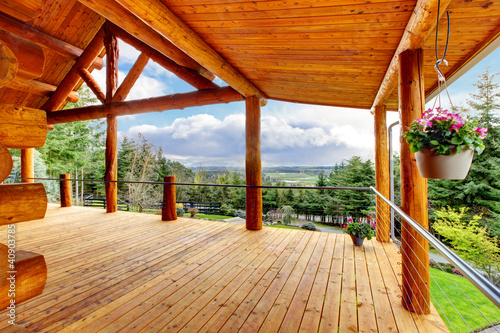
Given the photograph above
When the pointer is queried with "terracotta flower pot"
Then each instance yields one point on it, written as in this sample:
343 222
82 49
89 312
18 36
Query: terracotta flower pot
358 241
453 166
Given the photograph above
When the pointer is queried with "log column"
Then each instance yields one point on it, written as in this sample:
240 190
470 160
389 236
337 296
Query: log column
253 166
111 45
414 249
382 177
168 209
27 165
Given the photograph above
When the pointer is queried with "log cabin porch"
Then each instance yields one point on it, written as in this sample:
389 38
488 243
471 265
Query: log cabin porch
133 272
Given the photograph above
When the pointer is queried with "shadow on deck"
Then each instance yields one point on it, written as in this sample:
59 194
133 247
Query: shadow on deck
133 272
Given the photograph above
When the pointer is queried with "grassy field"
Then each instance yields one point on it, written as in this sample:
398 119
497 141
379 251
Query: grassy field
469 313
210 216
297 178
282 226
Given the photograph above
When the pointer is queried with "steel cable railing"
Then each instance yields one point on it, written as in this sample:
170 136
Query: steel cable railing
384 220
478 280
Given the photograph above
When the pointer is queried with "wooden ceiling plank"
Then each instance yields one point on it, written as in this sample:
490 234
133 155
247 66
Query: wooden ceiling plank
468 58
72 77
115 13
40 88
284 12
91 83
23 10
420 25
46 41
170 26
190 76
131 78
155 104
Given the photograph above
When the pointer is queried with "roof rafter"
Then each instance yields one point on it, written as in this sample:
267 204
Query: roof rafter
46 41
115 13
421 23
158 16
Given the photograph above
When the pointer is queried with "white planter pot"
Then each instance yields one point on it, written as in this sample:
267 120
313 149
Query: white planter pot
453 166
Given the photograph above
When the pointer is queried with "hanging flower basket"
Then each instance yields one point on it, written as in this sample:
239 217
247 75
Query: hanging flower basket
453 166
444 143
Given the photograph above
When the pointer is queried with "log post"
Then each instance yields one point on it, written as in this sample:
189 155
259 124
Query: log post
65 190
111 45
414 248
27 165
253 166
382 177
168 209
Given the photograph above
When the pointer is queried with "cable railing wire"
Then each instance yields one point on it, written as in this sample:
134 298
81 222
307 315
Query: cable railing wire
434 298
478 280
459 264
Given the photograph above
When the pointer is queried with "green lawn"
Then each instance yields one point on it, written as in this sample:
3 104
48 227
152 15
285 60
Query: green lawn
471 315
210 216
295 177
282 226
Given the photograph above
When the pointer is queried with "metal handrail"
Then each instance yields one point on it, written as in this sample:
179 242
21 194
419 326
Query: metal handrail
483 284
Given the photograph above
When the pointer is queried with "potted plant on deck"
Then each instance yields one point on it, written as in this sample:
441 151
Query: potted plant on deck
444 143
359 230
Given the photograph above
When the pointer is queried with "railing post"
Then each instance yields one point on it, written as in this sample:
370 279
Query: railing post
168 210
414 248
27 165
65 190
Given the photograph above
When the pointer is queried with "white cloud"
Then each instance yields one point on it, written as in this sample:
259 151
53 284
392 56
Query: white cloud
145 87
287 138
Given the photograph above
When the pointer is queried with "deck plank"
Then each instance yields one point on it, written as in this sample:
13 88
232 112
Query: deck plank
131 272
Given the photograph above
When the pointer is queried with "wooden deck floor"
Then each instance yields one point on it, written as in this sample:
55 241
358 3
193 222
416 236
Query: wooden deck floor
130 272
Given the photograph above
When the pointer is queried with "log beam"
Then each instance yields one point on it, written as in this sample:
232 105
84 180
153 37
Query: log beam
170 26
27 165
382 176
115 13
131 78
414 248
40 89
155 104
8 65
6 163
92 84
30 275
422 22
190 76
253 167
22 202
72 78
46 41
30 56
22 127
111 173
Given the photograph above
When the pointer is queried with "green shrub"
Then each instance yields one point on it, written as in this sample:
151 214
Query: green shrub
193 211
287 214
227 210
180 211
309 226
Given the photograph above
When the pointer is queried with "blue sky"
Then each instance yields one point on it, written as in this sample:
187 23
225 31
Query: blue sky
292 134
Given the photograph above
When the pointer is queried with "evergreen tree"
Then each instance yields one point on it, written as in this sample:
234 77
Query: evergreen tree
481 189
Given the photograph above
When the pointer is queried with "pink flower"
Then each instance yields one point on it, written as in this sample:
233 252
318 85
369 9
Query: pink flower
344 226
424 122
482 132
349 220
373 224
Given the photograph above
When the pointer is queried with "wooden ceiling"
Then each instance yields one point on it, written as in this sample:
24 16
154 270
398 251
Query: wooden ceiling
325 52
